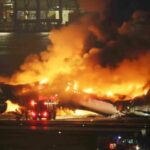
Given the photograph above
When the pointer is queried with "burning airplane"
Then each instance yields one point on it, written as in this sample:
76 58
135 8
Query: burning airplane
91 63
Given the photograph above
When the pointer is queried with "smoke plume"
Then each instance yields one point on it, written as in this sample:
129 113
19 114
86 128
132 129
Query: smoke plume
95 54
98 6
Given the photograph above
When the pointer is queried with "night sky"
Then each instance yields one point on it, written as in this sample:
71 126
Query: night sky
122 9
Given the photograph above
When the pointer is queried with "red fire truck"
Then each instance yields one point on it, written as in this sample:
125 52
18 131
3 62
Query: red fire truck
43 109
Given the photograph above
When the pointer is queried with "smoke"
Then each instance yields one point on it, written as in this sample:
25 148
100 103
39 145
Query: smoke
132 40
96 54
60 58
95 6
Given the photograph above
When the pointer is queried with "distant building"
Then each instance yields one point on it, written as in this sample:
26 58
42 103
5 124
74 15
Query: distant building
35 15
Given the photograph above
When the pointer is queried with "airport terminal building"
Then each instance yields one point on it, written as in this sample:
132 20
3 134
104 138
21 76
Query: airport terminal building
36 15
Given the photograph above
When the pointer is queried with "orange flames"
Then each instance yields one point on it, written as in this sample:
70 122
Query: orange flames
112 92
12 107
66 66
66 112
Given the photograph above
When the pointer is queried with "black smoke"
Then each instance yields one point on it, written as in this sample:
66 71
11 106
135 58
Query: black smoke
124 30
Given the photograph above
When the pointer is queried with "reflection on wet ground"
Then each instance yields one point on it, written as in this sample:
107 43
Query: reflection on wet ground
14 47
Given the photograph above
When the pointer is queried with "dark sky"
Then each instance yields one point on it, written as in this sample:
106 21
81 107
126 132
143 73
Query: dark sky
122 9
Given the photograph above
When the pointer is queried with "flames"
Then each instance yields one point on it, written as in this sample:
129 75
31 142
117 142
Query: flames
87 58
113 92
66 112
12 107
60 112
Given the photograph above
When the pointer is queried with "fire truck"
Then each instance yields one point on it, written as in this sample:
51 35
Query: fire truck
43 109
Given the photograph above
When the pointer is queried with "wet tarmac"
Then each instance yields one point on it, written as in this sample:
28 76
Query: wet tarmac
15 47
71 135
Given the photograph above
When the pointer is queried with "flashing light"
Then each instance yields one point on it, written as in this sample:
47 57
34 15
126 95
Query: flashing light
33 103
45 103
112 146
137 147
119 137
45 114
33 114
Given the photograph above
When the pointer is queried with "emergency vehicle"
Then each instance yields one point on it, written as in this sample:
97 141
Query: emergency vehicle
43 109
